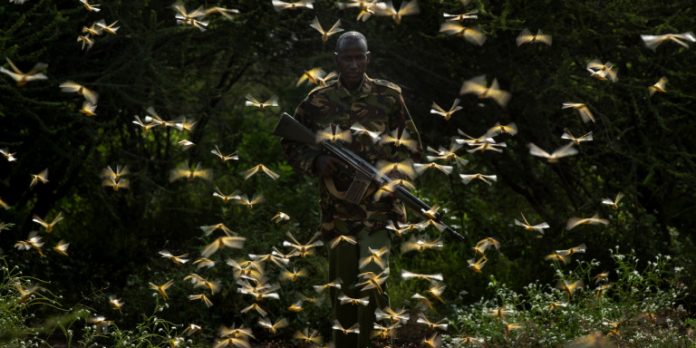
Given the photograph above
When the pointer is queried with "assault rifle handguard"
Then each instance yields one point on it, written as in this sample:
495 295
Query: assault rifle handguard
290 129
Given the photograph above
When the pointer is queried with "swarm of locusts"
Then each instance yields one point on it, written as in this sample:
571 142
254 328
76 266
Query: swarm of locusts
261 278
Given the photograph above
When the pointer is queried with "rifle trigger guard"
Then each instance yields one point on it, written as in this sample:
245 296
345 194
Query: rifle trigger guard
355 192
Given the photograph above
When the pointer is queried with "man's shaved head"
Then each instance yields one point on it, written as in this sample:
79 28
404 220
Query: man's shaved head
351 39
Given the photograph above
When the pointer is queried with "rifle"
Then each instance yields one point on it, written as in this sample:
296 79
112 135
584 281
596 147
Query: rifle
364 172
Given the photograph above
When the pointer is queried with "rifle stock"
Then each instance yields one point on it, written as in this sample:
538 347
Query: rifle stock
290 129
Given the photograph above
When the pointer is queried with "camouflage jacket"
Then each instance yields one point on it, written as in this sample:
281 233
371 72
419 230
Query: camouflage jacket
378 106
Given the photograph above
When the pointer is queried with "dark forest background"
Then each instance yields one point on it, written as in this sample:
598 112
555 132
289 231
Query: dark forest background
644 146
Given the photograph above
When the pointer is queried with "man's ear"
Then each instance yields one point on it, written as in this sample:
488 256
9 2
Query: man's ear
367 54
336 58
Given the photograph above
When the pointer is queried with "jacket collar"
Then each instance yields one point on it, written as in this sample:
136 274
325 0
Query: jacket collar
362 91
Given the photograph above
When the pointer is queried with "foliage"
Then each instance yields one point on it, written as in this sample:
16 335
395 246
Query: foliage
29 312
639 308
643 148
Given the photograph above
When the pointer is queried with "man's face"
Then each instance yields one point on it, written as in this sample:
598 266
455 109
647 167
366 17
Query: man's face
352 62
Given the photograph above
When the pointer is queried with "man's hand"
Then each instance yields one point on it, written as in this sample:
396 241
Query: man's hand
325 165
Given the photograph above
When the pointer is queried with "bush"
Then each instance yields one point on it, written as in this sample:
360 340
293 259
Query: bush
634 309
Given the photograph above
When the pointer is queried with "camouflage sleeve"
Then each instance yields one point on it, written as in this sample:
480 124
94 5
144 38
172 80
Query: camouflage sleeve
301 156
401 119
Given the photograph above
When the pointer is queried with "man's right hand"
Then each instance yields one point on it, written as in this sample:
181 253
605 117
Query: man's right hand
325 165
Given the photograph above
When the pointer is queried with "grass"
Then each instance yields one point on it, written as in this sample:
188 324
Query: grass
633 307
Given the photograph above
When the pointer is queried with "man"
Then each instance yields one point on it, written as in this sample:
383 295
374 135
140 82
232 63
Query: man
378 106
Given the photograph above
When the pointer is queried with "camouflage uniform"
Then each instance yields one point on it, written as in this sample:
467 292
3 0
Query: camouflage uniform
378 106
